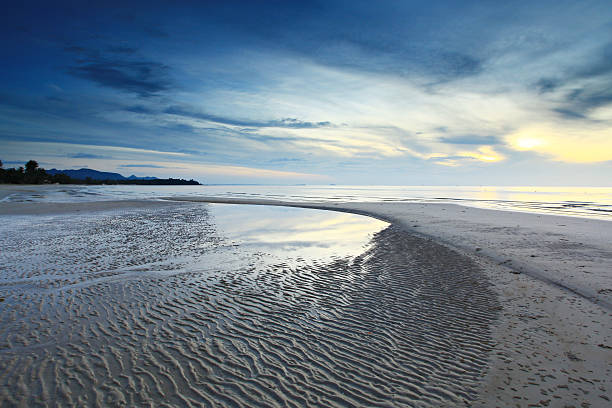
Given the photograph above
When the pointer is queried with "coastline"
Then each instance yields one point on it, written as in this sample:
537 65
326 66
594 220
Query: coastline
553 338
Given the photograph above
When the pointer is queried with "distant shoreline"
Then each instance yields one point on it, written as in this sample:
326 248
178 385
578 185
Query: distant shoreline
32 174
156 182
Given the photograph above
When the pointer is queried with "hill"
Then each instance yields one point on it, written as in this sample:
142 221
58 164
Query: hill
83 174
32 174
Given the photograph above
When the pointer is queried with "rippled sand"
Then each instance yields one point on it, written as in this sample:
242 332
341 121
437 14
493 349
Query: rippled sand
160 308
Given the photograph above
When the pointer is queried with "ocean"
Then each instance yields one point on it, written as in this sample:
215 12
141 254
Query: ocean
589 202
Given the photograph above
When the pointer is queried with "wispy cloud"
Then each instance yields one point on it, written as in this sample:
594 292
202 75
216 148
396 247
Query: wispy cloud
291 123
582 87
253 172
117 68
131 149
78 150
143 78
86 156
149 166
470 140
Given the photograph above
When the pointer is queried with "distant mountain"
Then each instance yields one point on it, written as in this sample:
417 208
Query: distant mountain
133 177
83 174
32 174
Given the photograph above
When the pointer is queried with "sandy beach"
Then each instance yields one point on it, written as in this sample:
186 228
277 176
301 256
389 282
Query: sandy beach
447 306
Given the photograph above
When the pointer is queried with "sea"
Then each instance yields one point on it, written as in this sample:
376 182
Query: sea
589 202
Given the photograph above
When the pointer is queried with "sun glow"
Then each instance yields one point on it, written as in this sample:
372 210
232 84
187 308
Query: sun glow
484 153
527 143
568 144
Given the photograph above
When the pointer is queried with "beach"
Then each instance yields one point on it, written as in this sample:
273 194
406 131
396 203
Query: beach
445 306
553 277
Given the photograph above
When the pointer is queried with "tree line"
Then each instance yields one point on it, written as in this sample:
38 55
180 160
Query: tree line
32 174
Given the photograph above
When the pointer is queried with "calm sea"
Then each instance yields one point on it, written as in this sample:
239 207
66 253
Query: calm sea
591 202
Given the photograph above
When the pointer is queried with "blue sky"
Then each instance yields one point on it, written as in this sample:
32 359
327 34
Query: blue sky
353 92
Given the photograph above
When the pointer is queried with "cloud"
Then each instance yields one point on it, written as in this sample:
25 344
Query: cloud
251 172
285 160
86 156
470 140
143 78
291 123
285 137
601 66
569 114
590 96
395 39
403 60
453 65
57 147
583 88
545 85
483 154
151 166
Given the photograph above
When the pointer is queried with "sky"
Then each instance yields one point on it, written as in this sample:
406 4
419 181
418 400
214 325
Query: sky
316 92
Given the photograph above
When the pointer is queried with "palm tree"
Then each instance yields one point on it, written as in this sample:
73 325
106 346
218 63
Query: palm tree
31 166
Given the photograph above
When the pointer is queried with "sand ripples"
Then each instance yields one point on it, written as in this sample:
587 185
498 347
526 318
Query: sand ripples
124 321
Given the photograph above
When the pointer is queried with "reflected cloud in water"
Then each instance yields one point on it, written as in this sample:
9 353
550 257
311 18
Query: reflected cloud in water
294 232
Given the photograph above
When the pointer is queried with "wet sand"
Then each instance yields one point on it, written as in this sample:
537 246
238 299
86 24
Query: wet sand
122 308
105 309
49 208
553 278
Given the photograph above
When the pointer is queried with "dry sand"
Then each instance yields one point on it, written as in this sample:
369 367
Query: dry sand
512 310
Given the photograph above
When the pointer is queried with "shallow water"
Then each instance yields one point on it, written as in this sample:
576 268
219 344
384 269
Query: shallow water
235 306
590 202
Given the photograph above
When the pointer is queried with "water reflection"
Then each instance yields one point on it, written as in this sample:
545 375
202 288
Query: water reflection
293 233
